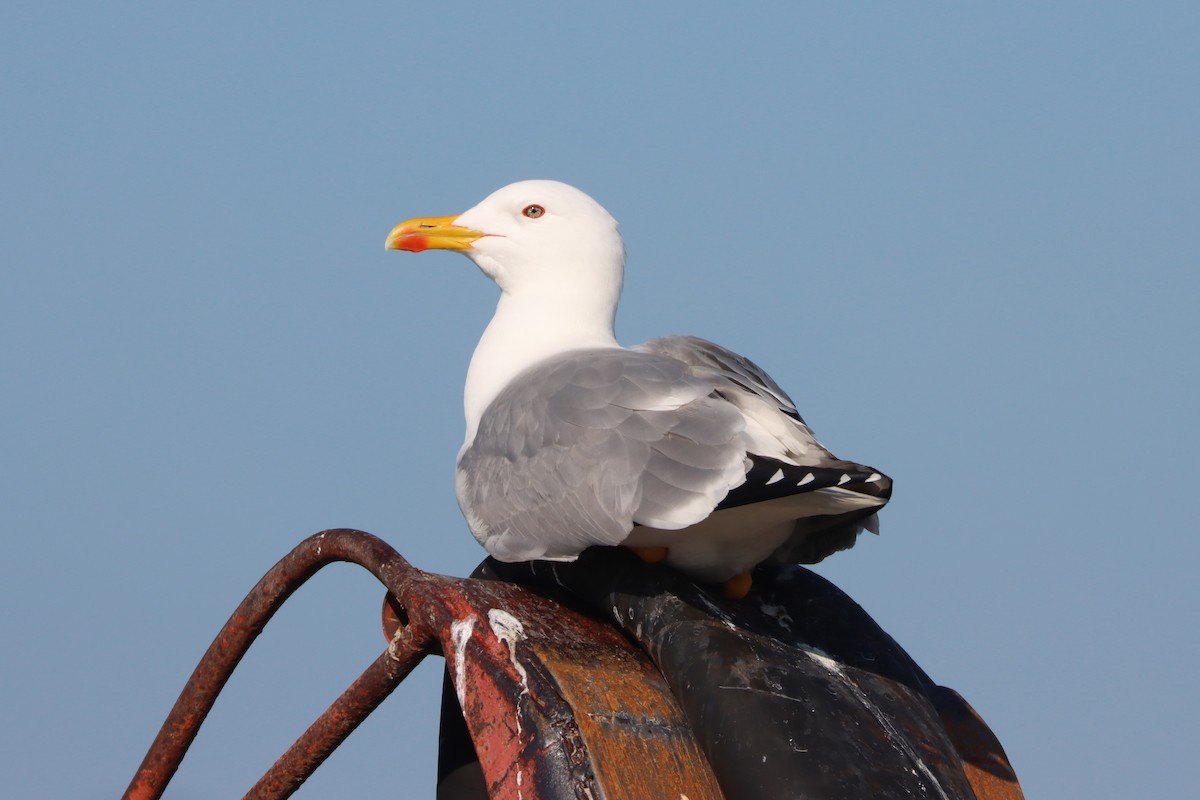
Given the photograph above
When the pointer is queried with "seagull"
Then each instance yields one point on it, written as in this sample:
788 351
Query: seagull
677 448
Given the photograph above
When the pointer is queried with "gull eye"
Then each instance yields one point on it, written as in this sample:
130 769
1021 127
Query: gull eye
533 211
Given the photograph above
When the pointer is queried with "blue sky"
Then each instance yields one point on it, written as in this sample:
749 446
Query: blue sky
965 239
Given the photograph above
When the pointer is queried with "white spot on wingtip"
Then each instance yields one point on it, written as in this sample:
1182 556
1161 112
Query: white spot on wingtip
778 476
875 478
809 478
844 479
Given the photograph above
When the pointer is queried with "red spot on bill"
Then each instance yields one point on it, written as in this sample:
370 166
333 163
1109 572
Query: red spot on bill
413 243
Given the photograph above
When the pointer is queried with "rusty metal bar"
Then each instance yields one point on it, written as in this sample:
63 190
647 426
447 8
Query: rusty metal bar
247 622
341 718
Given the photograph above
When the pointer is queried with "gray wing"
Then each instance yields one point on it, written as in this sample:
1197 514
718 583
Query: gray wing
775 427
702 355
579 448
781 445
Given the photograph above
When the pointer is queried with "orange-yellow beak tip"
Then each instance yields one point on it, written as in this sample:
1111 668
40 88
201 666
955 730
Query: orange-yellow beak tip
430 233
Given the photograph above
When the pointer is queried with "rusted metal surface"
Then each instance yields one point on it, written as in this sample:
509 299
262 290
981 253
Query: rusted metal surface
793 691
986 764
519 662
560 705
637 737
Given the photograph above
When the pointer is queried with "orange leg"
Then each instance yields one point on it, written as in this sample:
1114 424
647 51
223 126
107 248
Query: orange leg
737 587
651 555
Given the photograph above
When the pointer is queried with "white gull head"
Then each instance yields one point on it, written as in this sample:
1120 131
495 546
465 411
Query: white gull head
559 261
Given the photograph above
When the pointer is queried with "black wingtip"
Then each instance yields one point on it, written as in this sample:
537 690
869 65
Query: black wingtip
769 479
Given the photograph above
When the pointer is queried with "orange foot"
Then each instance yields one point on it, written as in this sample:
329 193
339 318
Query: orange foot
737 587
651 555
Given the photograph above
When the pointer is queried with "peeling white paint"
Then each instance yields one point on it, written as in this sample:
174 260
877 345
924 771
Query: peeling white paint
779 614
401 635
460 634
509 630
780 695
717 612
897 738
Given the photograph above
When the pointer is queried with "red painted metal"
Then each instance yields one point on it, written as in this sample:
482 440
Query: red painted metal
515 657
559 704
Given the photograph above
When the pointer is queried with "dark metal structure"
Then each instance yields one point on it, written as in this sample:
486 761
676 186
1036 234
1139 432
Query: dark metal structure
610 678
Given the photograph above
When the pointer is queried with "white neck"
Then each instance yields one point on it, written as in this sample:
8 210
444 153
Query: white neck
529 327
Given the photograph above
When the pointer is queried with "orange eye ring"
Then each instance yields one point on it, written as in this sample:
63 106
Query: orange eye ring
533 211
